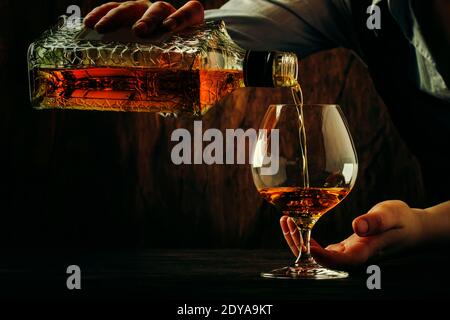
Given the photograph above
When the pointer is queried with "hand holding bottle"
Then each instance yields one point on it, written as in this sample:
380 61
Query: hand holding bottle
144 16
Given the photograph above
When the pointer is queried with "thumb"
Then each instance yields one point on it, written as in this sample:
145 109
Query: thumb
381 218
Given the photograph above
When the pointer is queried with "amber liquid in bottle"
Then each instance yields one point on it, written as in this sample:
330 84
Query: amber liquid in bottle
182 73
179 92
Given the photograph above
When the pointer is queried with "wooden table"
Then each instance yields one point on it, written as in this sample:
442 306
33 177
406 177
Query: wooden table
219 275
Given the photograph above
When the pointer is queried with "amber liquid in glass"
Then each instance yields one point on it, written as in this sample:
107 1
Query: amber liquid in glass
304 204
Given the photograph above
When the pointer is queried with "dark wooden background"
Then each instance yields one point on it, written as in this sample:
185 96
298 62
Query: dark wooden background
92 179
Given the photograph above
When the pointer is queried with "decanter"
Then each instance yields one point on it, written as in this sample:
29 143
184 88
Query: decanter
183 73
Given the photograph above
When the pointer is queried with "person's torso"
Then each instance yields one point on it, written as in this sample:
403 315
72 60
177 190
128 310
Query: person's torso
422 120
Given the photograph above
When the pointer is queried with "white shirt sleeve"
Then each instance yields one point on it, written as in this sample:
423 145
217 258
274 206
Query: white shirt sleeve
302 26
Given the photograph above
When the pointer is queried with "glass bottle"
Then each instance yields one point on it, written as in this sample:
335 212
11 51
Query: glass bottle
184 73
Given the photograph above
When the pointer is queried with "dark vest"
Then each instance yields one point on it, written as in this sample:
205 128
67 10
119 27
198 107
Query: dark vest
422 120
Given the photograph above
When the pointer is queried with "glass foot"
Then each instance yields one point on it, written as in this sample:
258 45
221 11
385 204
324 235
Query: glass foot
310 271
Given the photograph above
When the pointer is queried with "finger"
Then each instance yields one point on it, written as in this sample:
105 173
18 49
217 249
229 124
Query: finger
333 259
338 247
283 224
295 234
95 15
287 235
153 18
350 252
314 243
192 13
124 15
383 217
332 256
355 250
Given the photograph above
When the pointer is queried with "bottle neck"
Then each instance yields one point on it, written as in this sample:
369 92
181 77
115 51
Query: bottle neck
270 69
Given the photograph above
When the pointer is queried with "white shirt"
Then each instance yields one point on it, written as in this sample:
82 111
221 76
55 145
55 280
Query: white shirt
309 26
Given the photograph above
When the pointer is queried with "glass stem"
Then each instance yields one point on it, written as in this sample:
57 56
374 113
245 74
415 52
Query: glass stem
304 253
